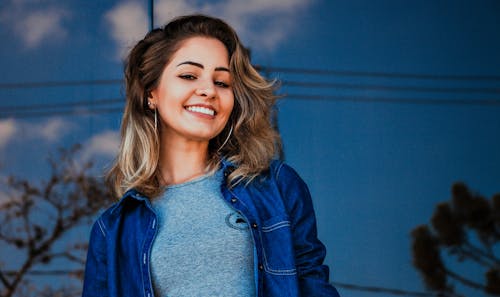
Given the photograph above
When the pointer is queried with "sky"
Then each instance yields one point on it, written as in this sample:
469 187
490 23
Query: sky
380 134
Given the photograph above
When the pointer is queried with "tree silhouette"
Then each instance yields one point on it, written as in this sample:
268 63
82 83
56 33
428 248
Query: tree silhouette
467 228
36 221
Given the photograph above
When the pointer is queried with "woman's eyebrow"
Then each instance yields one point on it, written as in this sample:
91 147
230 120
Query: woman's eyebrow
221 69
201 66
191 63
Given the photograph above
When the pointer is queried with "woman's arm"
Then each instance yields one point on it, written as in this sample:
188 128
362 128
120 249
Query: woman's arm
309 251
95 281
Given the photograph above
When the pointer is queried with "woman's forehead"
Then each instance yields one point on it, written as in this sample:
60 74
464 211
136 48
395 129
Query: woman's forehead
203 50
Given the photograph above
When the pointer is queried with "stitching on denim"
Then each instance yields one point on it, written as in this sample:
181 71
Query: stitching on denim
278 170
266 267
142 266
102 227
280 272
274 271
276 226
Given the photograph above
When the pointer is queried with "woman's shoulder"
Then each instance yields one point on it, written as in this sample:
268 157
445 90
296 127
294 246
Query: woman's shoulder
292 189
106 214
116 209
283 172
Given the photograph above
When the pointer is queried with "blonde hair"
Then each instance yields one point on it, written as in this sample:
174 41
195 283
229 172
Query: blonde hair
251 146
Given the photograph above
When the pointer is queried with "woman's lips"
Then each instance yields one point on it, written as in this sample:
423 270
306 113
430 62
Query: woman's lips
205 110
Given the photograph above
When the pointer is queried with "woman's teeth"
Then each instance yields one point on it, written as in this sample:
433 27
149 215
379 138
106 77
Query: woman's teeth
202 110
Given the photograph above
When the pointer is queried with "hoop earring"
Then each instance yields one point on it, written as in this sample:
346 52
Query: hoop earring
156 121
227 139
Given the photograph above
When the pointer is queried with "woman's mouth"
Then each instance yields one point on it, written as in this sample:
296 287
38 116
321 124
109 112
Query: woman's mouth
201 109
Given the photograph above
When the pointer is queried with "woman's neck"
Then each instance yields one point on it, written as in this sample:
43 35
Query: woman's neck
181 161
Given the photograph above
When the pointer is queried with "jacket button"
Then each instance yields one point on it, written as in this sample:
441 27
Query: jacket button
261 267
254 225
233 200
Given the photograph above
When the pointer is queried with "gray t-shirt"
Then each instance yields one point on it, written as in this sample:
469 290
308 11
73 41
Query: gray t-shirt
203 246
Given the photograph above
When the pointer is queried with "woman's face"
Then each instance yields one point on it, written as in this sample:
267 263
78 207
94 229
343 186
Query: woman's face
194 96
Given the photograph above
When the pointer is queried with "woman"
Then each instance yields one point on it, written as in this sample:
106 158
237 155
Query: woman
205 210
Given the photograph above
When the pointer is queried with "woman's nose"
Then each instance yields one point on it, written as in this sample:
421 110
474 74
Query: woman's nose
206 90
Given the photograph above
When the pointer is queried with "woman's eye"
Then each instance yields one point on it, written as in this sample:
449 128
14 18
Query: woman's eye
187 76
221 84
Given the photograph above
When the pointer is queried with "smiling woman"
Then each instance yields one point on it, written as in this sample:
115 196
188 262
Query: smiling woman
206 210
194 97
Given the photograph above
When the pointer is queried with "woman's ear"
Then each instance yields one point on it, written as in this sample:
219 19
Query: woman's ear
151 100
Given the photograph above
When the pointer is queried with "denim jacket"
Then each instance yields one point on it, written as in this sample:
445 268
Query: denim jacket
277 205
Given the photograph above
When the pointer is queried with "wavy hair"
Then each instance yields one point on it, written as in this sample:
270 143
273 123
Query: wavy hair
251 146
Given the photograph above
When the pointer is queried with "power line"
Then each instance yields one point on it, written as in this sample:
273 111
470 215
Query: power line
61 105
494 78
369 99
43 84
371 87
100 106
37 114
353 287
289 83
292 70
84 107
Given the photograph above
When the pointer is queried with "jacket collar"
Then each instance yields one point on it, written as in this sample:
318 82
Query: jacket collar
226 165
132 194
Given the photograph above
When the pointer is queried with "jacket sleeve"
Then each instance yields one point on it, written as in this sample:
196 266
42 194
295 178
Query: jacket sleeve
95 279
309 251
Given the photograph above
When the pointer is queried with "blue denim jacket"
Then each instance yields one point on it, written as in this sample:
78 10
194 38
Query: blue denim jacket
288 255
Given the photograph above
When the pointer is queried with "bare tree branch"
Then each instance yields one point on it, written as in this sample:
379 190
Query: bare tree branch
49 272
68 256
4 280
70 198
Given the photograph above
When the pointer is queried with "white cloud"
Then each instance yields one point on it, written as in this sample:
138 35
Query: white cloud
262 24
166 10
53 129
128 23
105 144
42 25
49 131
34 22
7 130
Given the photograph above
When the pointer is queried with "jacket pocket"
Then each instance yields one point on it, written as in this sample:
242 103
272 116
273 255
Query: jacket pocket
277 245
